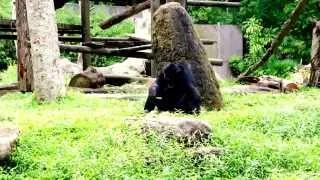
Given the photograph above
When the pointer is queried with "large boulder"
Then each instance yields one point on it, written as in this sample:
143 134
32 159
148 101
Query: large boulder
175 40
8 138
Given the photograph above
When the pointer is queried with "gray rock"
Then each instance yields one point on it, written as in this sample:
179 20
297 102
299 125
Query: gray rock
8 138
189 131
134 67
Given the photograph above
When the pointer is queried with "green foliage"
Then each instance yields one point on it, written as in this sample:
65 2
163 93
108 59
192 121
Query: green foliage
258 38
264 18
7 54
5 9
209 15
9 76
85 137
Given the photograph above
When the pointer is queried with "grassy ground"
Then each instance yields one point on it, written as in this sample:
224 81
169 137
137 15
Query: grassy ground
272 136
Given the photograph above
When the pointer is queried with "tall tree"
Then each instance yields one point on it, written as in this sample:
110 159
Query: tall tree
48 78
315 55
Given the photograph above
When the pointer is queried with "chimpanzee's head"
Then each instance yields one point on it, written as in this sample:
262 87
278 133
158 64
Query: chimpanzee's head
171 73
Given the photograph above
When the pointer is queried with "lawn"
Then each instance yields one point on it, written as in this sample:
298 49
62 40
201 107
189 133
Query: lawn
272 136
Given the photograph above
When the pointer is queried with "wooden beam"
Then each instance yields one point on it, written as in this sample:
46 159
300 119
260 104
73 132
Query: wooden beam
123 52
108 41
182 2
8 87
213 3
124 15
216 62
7 24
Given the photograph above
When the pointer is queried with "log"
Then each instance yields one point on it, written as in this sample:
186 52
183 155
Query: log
216 62
107 42
10 26
123 52
9 87
314 79
124 15
213 3
92 78
269 82
175 40
279 38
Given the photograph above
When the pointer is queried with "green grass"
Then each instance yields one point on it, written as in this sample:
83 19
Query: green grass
9 76
274 136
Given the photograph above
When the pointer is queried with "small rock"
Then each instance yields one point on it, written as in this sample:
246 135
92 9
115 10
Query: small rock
191 132
8 138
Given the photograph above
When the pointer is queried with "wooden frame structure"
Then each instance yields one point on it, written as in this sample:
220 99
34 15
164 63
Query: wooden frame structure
125 47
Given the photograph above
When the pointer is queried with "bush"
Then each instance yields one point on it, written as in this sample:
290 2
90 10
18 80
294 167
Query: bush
7 54
258 39
275 67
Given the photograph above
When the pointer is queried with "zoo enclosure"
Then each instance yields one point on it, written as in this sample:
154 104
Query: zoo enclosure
117 46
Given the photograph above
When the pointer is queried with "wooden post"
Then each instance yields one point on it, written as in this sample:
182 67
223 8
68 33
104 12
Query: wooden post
25 74
155 4
85 21
182 2
314 79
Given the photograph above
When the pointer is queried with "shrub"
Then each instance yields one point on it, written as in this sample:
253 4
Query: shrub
7 54
258 39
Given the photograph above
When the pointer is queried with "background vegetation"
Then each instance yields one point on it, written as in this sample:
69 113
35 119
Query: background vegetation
69 15
260 21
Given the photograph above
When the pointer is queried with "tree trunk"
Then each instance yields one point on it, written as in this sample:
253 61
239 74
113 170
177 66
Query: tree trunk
175 40
315 55
85 22
48 78
25 73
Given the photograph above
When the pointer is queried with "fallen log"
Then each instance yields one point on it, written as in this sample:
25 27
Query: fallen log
92 78
269 82
9 87
122 16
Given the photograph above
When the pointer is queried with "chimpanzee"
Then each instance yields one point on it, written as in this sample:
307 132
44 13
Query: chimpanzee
174 90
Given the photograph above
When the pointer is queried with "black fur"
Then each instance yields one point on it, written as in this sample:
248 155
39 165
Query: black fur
174 90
